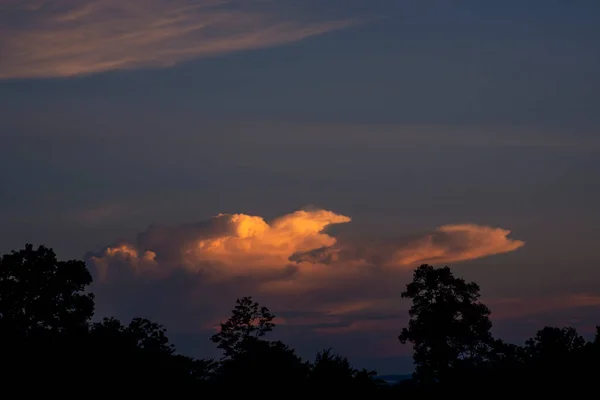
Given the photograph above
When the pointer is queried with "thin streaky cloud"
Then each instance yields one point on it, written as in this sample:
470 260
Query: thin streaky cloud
65 38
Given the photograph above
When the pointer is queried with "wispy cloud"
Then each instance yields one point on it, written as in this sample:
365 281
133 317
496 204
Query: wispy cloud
63 38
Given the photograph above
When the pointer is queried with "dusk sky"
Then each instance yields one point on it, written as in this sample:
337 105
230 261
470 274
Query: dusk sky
308 153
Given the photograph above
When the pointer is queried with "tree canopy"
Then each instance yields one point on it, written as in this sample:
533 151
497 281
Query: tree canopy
448 326
39 294
248 320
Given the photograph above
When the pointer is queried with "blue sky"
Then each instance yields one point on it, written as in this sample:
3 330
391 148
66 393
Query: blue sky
405 117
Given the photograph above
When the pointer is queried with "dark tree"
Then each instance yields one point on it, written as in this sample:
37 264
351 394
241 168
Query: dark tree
198 370
44 317
331 371
330 368
259 360
150 336
39 294
248 359
448 327
248 320
552 344
556 356
139 334
139 355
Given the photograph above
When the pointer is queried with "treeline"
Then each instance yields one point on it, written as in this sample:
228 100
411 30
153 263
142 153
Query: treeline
49 344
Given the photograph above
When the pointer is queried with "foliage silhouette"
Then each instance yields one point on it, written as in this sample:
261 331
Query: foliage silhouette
145 356
248 320
551 344
448 326
331 371
330 368
262 361
40 295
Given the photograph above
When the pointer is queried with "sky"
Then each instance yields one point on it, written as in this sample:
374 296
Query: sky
310 155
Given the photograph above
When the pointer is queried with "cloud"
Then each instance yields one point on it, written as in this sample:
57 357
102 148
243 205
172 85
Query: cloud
319 283
225 246
249 243
448 243
44 38
236 245
127 258
293 261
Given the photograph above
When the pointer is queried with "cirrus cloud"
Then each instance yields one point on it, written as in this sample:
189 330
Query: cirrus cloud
63 38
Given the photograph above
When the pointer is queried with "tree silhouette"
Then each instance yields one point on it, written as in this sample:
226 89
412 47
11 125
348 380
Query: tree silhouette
39 294
551 350
140 355
331 371
264 361
247 358
551 343
150 336
139 334
44 316
248 320
448 327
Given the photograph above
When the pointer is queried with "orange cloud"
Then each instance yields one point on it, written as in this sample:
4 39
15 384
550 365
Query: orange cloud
451 243
313 279
446 244
250 243
139 262
296 246
75 37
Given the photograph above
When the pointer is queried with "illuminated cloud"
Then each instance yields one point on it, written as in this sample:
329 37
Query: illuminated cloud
63 38
292 259
451 243
233 245
226 246
124 256
250 243
447 244
316 281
